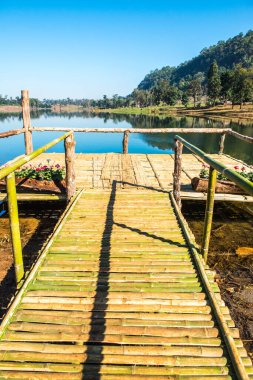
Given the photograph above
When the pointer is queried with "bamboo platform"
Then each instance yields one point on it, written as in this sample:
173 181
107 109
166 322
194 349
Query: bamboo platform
131 171
116 295
98 171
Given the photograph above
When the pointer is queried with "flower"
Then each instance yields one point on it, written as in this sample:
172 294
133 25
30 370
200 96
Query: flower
236 167
57 166
243 169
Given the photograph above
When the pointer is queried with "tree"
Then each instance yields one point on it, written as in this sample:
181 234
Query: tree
164 92
185 99
140 97
242 88
195 89
213 83
226 85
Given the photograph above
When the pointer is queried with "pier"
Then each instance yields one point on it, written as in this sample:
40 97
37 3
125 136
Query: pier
120 289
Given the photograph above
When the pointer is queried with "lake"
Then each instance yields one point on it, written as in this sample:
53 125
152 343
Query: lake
112 142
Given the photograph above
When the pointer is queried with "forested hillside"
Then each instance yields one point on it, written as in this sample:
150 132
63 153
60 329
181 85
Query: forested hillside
227 54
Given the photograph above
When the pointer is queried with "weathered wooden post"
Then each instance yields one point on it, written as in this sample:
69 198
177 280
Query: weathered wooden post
14 227
178 146
221 143
209 212
26 121
125 141
69 145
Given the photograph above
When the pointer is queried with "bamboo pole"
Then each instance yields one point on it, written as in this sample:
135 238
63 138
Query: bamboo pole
26 121
221 143
209 212
14 227
177 171
125 141
69 145
134 130
23 160
240 136
231 174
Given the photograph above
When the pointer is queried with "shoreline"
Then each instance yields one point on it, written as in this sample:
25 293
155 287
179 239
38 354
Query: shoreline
219 113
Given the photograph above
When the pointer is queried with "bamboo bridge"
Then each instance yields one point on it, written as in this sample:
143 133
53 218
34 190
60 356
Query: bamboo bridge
120 289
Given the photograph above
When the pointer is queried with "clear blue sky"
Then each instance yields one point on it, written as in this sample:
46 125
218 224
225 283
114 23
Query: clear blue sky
88 48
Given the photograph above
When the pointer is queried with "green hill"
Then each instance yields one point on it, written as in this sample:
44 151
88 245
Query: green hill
236 50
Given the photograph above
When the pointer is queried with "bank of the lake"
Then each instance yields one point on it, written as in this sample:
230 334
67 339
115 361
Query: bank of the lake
223 112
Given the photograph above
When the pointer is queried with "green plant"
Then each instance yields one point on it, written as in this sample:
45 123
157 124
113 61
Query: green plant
50 172
204 173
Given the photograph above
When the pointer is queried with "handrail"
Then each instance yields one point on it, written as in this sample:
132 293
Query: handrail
11 132
131 130
215 166
221 321
8 172
21 161
231 174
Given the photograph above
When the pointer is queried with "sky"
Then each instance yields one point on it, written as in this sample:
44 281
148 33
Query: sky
87 48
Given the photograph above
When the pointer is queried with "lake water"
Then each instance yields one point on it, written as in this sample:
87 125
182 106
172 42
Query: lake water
112 142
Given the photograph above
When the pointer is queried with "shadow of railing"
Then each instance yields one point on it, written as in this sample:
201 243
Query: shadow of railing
98 313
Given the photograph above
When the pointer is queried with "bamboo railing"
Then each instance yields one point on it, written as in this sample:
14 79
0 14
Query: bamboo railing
8 172
215 167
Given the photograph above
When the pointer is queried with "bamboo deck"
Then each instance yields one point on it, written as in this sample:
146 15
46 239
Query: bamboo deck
116 295
98 171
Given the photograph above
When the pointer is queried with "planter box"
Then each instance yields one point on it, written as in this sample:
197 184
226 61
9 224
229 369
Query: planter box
34 185
227 187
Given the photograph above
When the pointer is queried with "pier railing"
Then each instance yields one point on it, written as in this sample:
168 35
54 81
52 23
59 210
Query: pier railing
214 167
8 172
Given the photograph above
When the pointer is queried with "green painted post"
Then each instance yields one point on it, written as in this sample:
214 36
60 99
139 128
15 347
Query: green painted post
209 212
14 227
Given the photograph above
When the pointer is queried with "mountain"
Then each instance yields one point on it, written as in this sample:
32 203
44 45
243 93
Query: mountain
234 51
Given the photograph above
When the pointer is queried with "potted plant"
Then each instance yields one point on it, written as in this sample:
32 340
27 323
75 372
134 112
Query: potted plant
223 185
47 178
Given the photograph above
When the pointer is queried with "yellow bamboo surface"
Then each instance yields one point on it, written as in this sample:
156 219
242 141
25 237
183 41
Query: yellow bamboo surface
117 296
98 171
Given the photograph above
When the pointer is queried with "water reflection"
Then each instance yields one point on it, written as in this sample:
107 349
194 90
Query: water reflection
138 143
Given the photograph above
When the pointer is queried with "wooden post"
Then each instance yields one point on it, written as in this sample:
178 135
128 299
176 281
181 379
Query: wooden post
125 142
221 143
14 227
177 171
209 212
26 121
69 145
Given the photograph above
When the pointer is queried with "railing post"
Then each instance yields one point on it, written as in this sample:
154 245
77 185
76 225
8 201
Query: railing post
209 212
26 121
14 227
222 142
178 147
69 145
125 142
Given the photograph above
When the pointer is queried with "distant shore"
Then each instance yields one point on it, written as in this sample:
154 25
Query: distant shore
223 113
56 108
217 112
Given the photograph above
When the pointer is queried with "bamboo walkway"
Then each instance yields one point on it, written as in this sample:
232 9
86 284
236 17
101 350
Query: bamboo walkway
116 295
